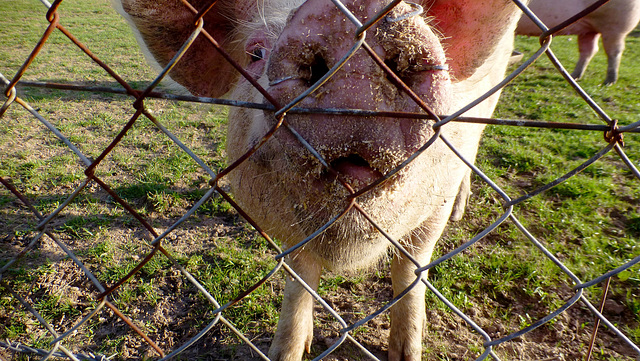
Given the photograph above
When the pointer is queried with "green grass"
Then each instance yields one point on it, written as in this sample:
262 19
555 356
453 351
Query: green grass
226 271
590 222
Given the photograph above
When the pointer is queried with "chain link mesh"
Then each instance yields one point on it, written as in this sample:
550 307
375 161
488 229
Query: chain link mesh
103 299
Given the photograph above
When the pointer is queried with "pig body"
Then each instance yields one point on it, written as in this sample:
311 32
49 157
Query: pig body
613 20
448 61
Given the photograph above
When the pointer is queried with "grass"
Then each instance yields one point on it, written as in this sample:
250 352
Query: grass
590 222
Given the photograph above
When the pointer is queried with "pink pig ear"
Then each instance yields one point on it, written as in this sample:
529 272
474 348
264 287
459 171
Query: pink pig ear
473 30
161 28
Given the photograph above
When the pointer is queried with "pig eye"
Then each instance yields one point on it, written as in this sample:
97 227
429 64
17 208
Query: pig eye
258 54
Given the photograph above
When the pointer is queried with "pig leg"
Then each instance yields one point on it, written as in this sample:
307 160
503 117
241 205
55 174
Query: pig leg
408 315
614 46
462 198
295 327
588 47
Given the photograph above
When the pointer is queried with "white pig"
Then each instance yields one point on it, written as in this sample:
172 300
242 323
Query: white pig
449 55
613 20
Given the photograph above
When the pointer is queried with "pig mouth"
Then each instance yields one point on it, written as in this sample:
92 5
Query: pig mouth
354 166
353 169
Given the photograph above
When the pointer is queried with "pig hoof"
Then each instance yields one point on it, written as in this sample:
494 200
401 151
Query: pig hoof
290 349
461 201
405 338
285 353
400 352
457 213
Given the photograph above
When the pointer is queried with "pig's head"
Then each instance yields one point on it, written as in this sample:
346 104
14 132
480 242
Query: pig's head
447 55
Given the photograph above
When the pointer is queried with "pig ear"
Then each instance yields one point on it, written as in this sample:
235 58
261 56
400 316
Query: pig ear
161 27
473 30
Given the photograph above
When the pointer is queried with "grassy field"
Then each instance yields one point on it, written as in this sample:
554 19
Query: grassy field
590 222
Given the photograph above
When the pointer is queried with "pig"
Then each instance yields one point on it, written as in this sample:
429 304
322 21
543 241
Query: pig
613 20
448 52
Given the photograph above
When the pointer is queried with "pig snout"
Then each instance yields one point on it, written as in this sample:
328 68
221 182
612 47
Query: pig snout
316 37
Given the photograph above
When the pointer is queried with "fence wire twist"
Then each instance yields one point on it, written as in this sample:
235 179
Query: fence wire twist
613 137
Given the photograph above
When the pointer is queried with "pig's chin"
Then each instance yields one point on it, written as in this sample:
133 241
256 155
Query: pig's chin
328 198
340 247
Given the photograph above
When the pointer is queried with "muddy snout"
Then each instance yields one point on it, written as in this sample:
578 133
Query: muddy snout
315 38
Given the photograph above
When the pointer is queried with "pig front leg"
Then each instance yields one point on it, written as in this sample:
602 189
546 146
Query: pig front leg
408 316
588 47
614 46
295 326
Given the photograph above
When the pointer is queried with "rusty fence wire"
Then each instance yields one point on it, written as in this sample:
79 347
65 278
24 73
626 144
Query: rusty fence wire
100 294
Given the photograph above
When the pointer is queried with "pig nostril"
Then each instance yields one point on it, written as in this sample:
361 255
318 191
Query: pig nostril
317 70
393 65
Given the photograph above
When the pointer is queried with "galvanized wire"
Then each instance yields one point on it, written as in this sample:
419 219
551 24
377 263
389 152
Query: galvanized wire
103 294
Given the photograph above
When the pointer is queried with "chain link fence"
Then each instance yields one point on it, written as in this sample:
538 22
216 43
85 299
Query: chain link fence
109 307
